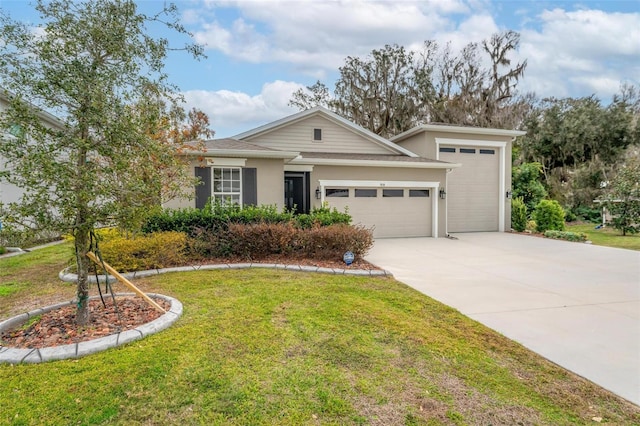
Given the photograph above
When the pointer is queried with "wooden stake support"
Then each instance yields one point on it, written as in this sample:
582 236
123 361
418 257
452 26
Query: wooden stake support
125 281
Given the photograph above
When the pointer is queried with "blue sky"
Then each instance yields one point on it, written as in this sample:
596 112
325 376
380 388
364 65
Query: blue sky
259 51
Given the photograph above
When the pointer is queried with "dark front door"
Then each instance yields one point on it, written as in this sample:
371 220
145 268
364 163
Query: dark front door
296 191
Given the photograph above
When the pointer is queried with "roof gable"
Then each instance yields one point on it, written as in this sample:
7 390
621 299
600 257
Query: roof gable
295 132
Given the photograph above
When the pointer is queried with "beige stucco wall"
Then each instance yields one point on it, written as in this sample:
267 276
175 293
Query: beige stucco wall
270 181
419 144
381 174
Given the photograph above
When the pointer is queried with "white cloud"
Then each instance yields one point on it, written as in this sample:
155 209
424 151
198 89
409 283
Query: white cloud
317 36
569 52
583 52
235 112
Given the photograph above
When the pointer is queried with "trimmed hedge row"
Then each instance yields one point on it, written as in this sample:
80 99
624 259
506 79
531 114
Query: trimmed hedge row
216 218
260 240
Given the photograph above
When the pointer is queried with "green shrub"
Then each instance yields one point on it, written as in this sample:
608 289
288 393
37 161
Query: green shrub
566 235
323 216
189 221
584 213
549 215
153 251
531 225
518 214
2 250
257 214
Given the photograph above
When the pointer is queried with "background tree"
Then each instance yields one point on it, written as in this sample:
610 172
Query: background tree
311 96
167 123
90 63
580 143
393 89
383 92
624 197
472 93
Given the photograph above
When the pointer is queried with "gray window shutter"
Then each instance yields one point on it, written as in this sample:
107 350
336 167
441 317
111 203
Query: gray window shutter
203 188
249 187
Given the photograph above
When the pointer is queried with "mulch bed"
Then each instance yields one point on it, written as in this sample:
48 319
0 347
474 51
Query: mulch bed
58 327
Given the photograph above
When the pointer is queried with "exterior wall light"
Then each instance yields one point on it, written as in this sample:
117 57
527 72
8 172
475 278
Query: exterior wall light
318 194
509 194
443 193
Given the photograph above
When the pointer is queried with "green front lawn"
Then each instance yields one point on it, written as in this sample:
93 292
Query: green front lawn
276 347
607 236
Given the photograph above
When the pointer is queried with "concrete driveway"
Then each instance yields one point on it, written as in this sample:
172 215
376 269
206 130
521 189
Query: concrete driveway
576 304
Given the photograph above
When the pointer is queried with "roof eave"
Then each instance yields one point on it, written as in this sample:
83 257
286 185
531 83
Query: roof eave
372 163
286 155
457 129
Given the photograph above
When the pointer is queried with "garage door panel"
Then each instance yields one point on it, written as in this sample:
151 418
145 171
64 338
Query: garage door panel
389 216
473 191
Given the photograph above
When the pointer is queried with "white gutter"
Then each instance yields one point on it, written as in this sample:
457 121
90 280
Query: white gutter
243 153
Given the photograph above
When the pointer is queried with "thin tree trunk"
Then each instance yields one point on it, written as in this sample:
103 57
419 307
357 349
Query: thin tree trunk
82 247
82 231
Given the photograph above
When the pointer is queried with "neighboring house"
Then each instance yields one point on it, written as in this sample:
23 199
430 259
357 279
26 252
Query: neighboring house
427 183
10 193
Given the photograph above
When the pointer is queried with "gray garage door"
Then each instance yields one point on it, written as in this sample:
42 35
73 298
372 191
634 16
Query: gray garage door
473 190
393 212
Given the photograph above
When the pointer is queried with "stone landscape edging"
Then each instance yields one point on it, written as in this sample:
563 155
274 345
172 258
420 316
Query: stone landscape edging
80 349
69 277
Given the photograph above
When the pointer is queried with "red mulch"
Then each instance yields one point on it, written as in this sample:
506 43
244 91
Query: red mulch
58 327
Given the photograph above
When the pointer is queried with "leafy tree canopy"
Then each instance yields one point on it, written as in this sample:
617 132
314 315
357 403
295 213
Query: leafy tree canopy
393 89
94 65
624 197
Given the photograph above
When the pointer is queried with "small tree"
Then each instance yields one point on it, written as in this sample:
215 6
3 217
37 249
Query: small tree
624 198
91 63
527 185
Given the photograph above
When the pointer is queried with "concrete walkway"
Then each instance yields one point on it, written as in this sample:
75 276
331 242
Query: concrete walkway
576 304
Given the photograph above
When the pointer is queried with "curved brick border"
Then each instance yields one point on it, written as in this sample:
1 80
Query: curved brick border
77 350
72 278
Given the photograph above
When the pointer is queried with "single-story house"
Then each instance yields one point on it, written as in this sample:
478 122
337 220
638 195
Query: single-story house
428 181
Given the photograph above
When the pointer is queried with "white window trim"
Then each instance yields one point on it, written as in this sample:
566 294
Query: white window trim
502 152
222 194
433 186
